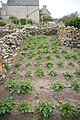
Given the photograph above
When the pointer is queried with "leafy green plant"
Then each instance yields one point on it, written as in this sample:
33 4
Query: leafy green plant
45 108
12 85
28 74
57 55
7 66
22 55
71 63
49 63
15 71
37 63
38 56
67 56
24 107
57 85
24 86
53 72
17 64
25 47
75 85
64 51
28 64
78 72
78 61
75 56
48 56
68 110
68 74
6 105
60 63
39 72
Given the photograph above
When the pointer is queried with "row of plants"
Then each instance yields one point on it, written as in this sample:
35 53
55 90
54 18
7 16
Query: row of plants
46 109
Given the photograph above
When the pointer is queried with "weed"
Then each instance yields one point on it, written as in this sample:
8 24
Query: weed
6 105
45 108
75 85
68 75
40 72
53 72
24 107
57 85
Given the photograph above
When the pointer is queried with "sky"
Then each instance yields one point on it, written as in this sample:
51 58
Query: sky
59 8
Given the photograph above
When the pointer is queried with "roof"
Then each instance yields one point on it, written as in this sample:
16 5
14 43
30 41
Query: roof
23 3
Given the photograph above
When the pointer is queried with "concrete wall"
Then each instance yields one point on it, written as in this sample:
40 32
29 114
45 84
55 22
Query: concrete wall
23 11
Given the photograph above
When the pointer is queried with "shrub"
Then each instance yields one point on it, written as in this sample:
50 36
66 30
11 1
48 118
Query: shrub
57 85
14 19
6 105
23 21
3 22
40 72
68 110
45 108
75 85
52 72
68 75
24 107
29 21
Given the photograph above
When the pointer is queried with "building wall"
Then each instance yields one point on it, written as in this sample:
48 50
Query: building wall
30 12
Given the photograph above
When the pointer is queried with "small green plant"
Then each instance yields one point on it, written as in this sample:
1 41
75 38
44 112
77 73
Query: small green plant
28 74
64 51
75 85
74 56
24 107
68 110
57 85
28 64
38 56
53 72
6 105
57 55
68 74
48 56
67 56
24 86
78 72
25 47
45 108
78 61
17 64
37 63
71 63
60 63
39 72
22 55
7 67
49 63
15 71
12 85
30 55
